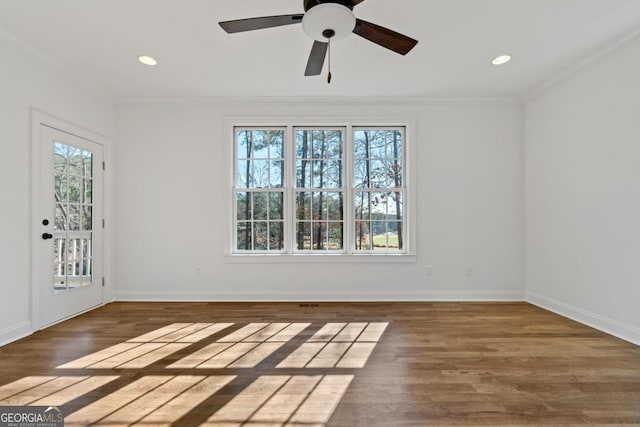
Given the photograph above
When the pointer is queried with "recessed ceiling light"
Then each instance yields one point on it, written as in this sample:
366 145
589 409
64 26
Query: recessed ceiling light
502 59
147 60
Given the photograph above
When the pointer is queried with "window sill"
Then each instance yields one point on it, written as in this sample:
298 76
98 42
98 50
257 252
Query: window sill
318 258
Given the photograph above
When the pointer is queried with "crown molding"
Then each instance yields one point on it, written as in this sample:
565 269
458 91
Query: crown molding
317 100
55 66
583 66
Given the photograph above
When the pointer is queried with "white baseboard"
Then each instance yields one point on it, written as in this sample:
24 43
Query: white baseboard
326 297
609 326
15 332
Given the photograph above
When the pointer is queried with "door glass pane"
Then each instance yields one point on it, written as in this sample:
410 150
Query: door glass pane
73 217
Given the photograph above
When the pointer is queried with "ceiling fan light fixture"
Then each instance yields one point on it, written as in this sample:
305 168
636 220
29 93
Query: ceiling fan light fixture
501 60
328 16
147 60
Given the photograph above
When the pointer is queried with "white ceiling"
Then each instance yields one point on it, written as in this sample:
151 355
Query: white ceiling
100 40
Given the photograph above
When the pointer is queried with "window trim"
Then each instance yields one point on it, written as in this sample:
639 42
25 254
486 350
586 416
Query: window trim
290 123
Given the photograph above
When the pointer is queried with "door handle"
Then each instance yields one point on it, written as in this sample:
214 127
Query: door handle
47 236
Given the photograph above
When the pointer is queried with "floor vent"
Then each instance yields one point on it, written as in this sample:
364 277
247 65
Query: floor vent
309 305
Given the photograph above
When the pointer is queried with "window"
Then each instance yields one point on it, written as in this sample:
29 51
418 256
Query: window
320 190
378 192
260 190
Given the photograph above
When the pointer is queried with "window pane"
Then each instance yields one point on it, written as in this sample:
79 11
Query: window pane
335 144
260 208
244 236
88 191
277 145
88 163
395 174
362 205
378 174
260 177
320 206
61 186
243 177
395 235
244 144
319 173
74 217
379 234
319 236
360 145
333 174
361 174
276 174
335 237
260 144
335 206
396 205
319 144
75 189
303 206
75 161
394 145
276 205
379 203
362 236
276 236
303 173
303 144
303 236
60 217
243 206
59 250
87 218
260 236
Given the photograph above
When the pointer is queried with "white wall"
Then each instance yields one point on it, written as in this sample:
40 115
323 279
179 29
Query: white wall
170 201
583 196
28 82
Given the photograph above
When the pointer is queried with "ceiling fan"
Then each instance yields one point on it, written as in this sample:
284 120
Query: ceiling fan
325 21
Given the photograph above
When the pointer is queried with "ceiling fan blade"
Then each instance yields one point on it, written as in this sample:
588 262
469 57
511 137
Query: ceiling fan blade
316 58
384 37
251 24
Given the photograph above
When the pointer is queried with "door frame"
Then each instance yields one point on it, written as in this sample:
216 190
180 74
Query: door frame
38 118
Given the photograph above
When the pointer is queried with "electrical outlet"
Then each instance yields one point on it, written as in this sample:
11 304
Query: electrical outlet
429 271
198 271
469 270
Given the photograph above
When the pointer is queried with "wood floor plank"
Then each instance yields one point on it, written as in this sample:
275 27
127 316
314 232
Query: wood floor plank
327 332
329 356
302 355
196 358
228 356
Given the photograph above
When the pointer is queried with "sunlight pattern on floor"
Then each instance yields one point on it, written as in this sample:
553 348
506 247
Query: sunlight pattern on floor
153 400
337 345
244 348
149 348
273 396
280 400
49 390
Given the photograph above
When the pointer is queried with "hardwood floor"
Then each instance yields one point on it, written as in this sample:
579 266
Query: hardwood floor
337 364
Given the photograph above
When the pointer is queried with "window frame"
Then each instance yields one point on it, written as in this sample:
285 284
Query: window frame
267 190
290 253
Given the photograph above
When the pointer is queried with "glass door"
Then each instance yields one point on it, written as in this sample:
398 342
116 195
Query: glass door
71 225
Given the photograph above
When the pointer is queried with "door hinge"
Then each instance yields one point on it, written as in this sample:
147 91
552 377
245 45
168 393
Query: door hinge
103 223
103 282
104 166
